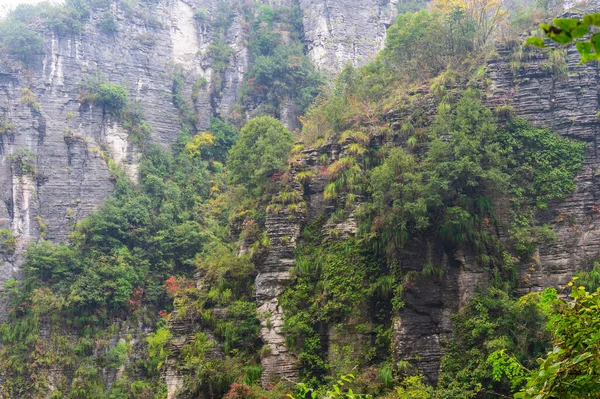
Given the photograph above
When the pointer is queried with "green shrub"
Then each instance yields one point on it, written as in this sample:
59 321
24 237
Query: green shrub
19 40
424 30
157 348
8 241
491 322
261 150
109 24
470 159
571 369
117 355
113 96
280 71
201 15
220 53
333 280
6 127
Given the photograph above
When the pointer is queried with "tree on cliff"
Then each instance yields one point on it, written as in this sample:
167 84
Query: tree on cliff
18 40
262 149
486 15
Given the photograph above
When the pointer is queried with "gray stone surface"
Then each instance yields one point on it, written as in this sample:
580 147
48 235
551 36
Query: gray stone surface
569 108
340 32
67 139
273 277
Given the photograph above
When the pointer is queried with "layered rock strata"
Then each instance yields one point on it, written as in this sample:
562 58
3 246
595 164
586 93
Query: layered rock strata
568 104
345 32
68 142
274 275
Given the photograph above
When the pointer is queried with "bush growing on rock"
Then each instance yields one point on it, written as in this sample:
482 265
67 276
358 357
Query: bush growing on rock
112 96
262 149
19 40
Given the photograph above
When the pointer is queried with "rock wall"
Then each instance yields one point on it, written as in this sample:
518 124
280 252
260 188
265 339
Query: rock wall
273 277
340 32
568 105
68 142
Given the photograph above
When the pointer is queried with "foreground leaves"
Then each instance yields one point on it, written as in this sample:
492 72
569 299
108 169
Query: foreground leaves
567 30
572 368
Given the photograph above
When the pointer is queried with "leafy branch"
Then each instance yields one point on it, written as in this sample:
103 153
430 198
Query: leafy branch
568 30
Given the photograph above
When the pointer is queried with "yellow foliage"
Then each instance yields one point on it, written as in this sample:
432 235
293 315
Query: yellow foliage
198 142
488 15
297 149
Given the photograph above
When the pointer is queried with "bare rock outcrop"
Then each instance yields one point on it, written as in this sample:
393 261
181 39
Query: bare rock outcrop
274 275
344 32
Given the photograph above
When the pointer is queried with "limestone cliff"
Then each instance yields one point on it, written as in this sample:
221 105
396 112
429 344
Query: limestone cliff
68 143
567 103
534 90
346 32
55 151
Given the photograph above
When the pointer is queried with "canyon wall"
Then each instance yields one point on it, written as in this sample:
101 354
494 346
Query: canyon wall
526 82
65 144
54 158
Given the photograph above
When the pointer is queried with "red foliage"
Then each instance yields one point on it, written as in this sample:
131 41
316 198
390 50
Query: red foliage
163 314
174 284
171 285
277 175
238 391
136 298
378 222
248 222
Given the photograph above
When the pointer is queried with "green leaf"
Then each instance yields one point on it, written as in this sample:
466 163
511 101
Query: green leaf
566 24
584 48
580 31
560 37
535 41
581 357
592 19
595 40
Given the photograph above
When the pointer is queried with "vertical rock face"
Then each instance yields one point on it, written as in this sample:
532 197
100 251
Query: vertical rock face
568 105
421 327
340 32
273 277
68 143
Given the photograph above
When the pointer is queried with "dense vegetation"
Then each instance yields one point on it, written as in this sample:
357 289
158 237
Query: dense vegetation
281 74
443 188
161 278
